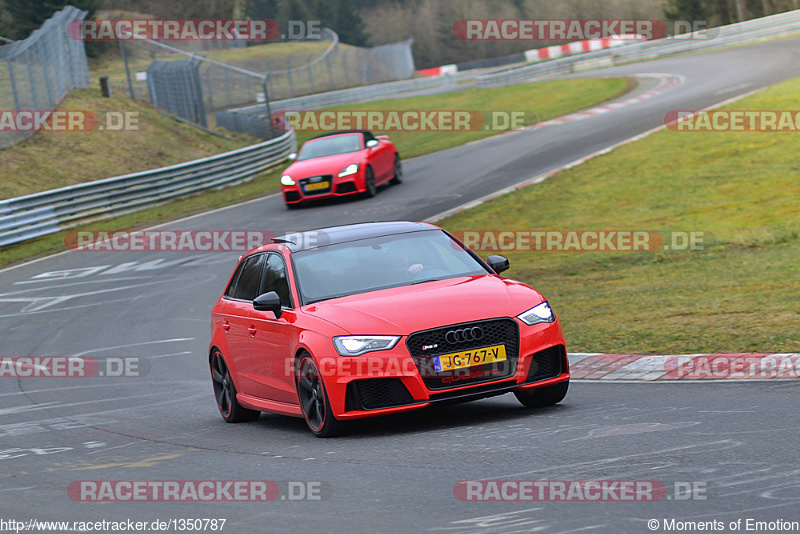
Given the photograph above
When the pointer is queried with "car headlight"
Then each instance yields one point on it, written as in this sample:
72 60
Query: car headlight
538 314
358 345
287 180
350 169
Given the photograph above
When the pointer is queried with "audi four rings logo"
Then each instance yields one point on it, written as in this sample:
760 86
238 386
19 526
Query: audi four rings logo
464 334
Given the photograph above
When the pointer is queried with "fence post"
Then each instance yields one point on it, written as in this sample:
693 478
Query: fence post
127 69
330 70
13 84
32 81
310 77
289 73
266 104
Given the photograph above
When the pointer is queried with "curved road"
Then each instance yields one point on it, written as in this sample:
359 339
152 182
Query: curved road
730 442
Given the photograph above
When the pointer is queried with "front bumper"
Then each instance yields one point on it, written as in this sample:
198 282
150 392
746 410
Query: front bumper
340 187
385 382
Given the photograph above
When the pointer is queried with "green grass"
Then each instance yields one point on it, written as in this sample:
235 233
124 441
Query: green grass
741 294
50 160
540 102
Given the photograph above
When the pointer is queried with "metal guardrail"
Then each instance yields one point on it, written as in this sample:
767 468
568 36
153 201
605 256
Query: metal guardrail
773 26
253 119
31 216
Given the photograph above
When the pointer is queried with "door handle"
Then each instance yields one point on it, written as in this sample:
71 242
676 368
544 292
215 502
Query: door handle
252 330
226 325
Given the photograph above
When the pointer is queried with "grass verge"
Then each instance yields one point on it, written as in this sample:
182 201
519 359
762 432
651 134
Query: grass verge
539 102
49 160
739 295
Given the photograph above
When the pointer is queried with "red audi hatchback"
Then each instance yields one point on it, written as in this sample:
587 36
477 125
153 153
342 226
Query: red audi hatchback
372 319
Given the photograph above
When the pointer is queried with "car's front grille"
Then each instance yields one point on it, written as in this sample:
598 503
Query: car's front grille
547 363
375 393
305 183
426 345
346 187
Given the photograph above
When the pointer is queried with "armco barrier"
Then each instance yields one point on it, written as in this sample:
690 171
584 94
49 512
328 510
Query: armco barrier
24 218
252 119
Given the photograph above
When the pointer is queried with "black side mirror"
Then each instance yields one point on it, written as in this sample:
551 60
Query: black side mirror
498 263
269 302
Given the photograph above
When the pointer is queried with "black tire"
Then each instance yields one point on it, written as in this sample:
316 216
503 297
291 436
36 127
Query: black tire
313 397
225 392
369 182
398 171
541 397
293 206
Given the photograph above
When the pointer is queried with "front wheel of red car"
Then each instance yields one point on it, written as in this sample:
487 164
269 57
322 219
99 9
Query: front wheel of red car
225 393
398 171
369 183
314 400
540 397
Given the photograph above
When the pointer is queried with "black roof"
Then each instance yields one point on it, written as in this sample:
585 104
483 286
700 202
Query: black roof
340 132
335 235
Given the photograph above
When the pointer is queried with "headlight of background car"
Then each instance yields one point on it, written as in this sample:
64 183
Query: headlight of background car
357 345
287 180
538 314
350 169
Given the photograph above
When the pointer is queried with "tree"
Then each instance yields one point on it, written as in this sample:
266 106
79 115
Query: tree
686 10
28 15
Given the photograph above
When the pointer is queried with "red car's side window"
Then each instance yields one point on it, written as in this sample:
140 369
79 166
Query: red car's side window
244 285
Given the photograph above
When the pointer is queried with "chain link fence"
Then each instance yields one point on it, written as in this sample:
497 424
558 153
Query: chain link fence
227 83
36 73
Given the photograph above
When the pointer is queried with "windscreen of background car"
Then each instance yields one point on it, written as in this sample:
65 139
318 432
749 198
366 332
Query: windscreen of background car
381 263
330 146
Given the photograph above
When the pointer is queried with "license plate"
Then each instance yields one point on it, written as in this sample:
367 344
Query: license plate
318 185
468 358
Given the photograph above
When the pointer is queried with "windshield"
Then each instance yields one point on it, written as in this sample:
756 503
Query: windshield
380 263
330 146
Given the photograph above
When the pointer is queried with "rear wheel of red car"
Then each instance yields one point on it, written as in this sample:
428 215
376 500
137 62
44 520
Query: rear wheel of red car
369 183
540 397
398 171
314 400
225 392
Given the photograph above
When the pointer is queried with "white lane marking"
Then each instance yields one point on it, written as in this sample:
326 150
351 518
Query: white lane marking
734 88
49 405
698 448
156 342
40 303
106 385
23 409
168 355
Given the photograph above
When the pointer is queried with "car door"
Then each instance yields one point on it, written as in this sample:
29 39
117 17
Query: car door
382 159
272 358
236 322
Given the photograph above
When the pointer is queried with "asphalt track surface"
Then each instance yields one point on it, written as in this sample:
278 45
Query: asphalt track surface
736 442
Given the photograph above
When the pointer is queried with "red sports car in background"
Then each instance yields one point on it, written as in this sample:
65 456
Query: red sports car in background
373 319
340 163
